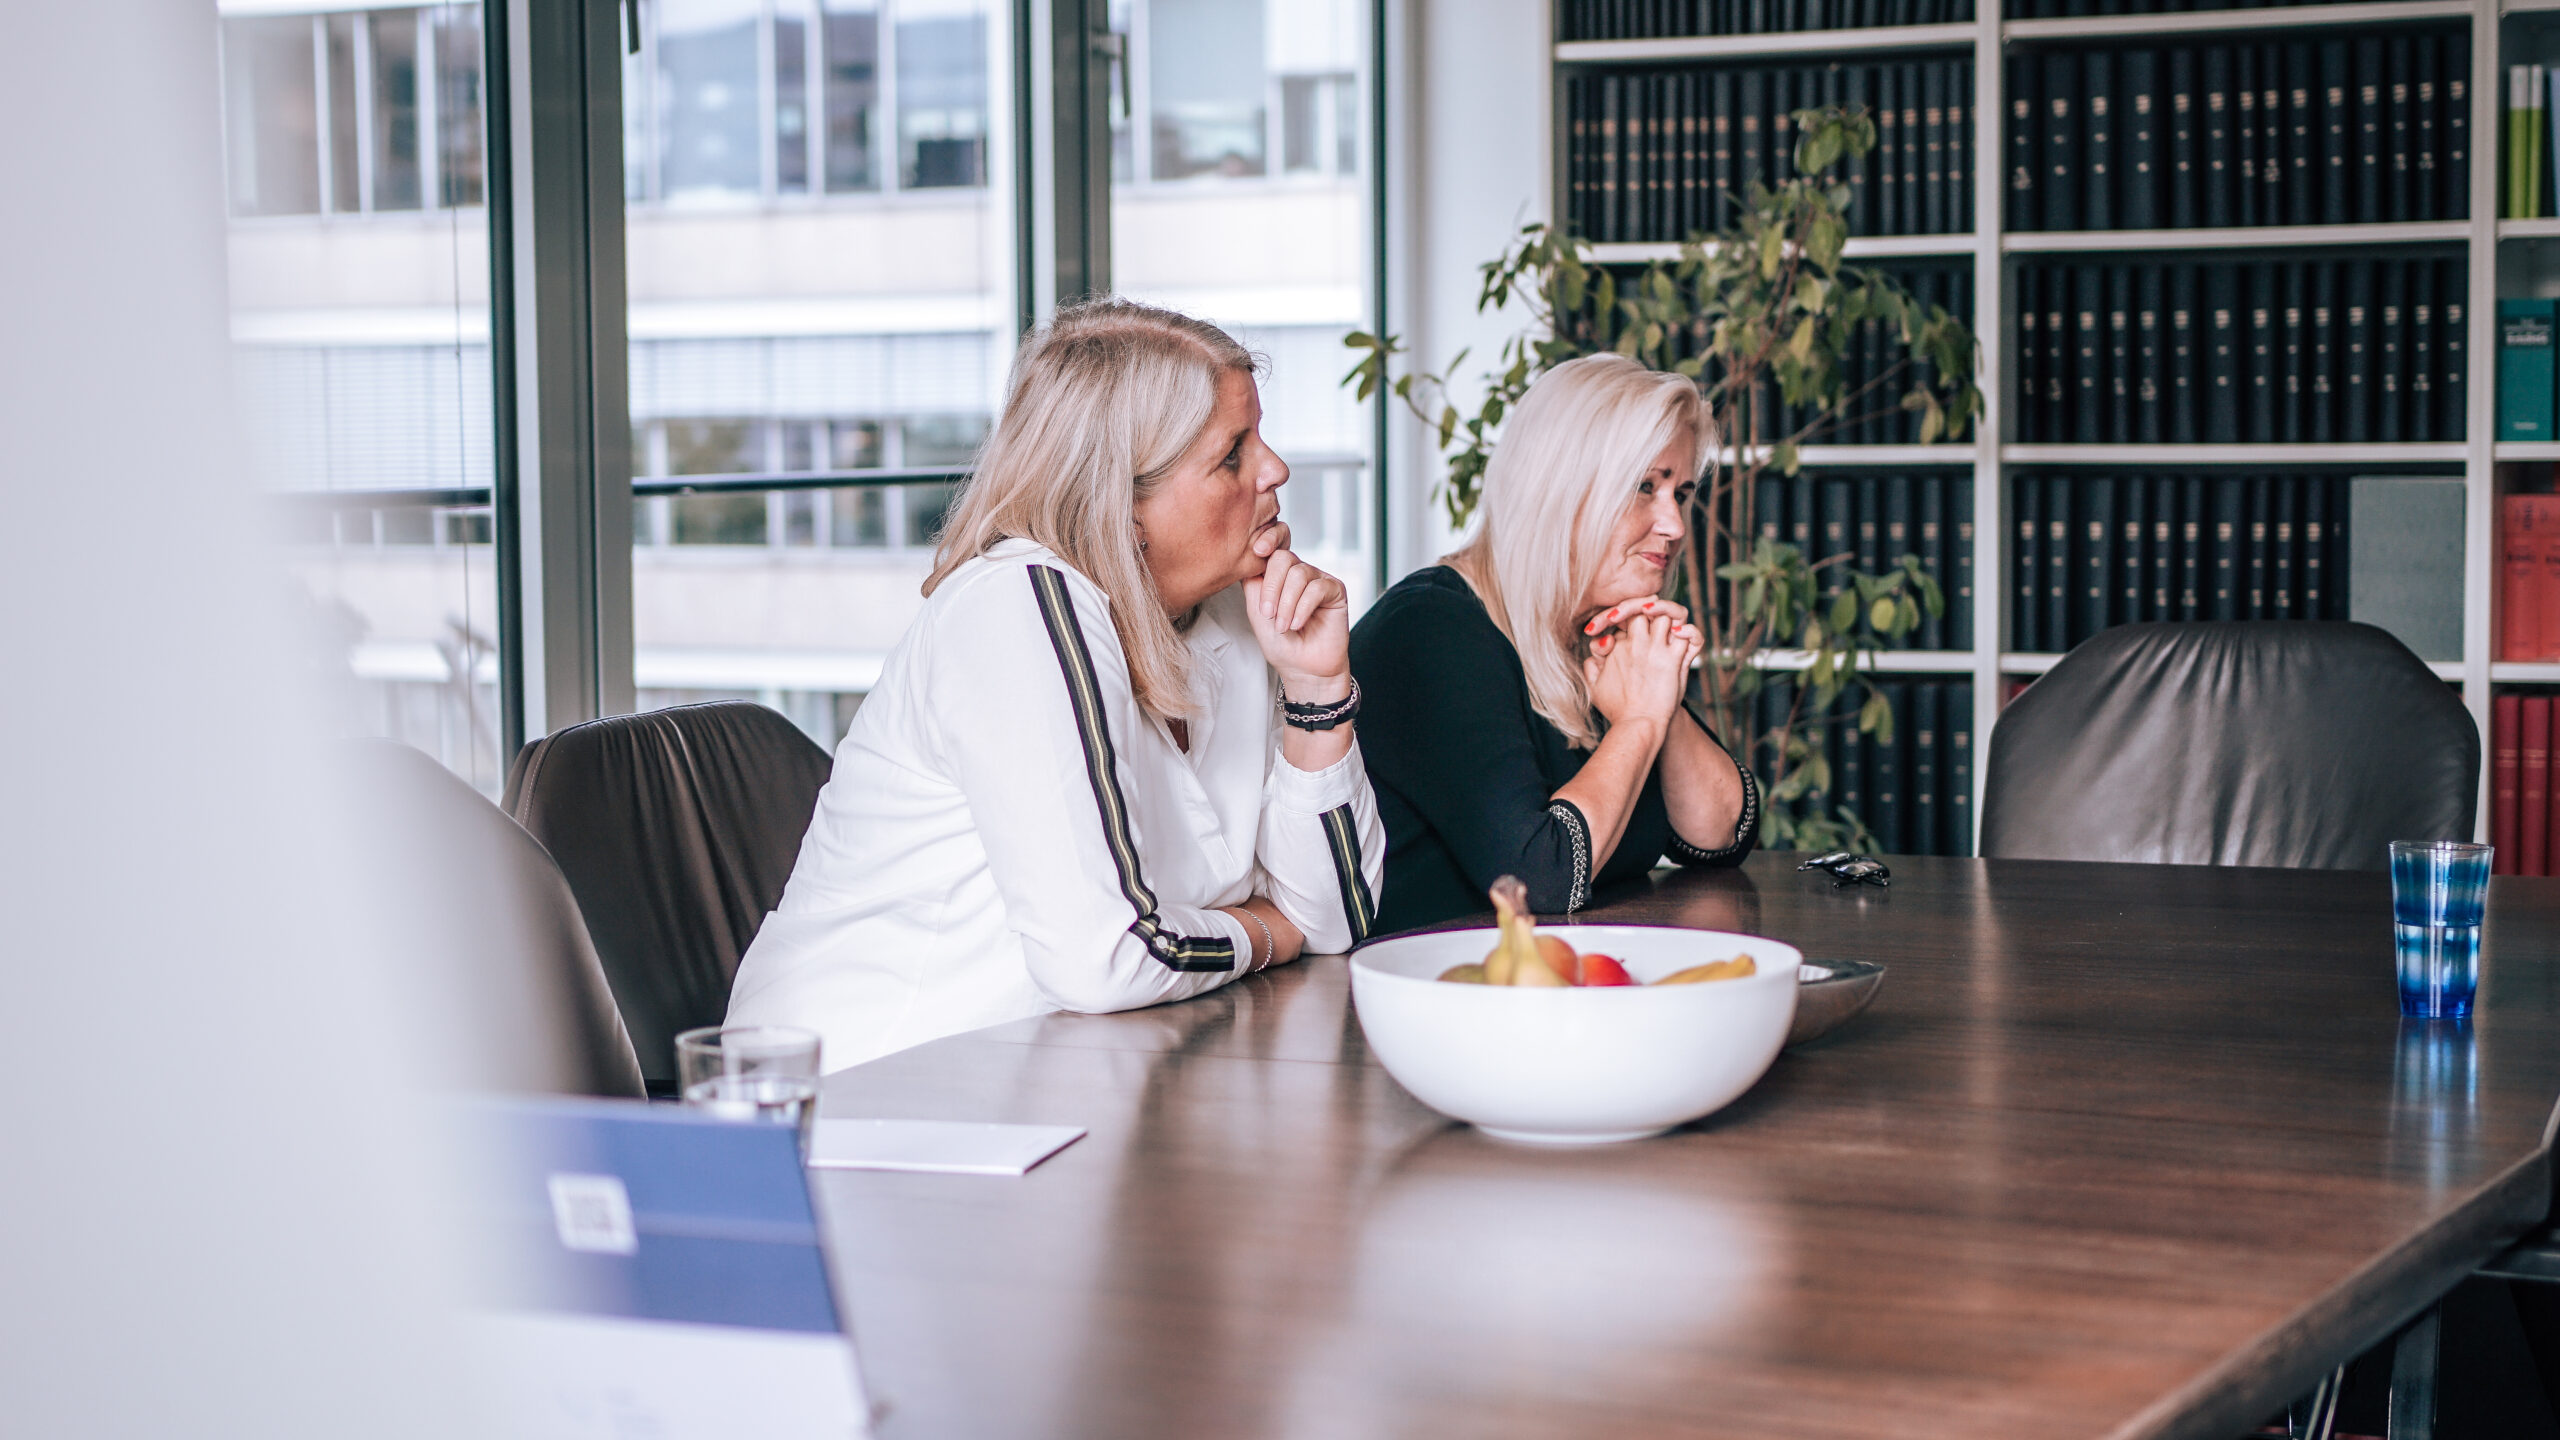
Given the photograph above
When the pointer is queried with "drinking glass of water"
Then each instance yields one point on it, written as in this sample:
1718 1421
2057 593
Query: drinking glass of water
2438 888
759 1074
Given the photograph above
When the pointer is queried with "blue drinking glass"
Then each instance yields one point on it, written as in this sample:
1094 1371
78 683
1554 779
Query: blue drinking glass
2438 889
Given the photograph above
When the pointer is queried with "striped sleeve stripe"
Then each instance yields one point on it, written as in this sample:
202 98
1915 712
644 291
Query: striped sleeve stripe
1357 904
1084 696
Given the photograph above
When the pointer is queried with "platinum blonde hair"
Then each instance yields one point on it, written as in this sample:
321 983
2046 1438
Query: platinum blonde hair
1561 477
1102 403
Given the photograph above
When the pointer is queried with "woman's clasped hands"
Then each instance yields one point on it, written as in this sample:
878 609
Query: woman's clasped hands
1637 668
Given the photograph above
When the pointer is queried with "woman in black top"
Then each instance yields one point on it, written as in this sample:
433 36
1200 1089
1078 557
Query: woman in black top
1523 705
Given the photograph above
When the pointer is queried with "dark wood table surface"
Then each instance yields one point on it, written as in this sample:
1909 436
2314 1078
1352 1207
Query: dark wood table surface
2120 1150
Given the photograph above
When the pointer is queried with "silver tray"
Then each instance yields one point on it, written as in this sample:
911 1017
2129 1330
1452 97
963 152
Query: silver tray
1832 994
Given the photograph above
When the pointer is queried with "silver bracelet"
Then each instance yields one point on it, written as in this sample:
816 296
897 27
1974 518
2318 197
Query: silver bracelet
1270 947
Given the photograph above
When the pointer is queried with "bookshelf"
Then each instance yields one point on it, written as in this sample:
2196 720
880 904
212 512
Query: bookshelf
2502 256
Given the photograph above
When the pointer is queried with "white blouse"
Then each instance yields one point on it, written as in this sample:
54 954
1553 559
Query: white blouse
1007 833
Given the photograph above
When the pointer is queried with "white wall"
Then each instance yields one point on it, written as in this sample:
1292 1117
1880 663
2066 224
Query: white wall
1467 171
211 1224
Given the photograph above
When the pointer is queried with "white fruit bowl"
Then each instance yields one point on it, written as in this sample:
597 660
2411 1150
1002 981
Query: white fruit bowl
1579 1066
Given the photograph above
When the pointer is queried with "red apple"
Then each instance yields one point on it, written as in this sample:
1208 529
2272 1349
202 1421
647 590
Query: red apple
1599 969
1560 958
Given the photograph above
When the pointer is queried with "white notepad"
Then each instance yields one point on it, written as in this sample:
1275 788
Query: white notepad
949 1147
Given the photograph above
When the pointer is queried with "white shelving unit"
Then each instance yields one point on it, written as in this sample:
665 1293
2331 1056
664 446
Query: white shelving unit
1988 37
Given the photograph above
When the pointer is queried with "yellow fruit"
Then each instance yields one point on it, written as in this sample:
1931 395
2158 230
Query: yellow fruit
1733 969
1464 974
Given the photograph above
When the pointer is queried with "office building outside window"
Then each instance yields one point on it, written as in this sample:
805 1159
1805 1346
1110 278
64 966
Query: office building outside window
353 154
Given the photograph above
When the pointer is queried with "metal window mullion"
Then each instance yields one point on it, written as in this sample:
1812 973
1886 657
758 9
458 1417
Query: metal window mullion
569 397
322 105
885 147
360 83
768 108
430 84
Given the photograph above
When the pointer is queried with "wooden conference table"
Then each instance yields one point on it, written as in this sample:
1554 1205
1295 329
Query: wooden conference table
2119 1150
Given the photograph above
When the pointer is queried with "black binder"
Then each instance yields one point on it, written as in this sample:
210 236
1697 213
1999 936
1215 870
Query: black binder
1932 549
2151 355
2097 149
2094 529
2253 554
1933 149
2422 423
2399 175
2301 133
1913 140
2219 192
1959 770
2030 391
2453 111
2026 613
2259 361
2121 379
2293 319
2229 514
2185 379
2088 354
2282 574
1890 201
2390 352
2195 579
2356 361
2057 354
2061 158
2337 135
2186 164
2058 580
1860 172
2271 135
1960 142
1928 726
2453 353
2321 401
2370 120
2315 515
2133 494
1724 164
1769 508
2160 557
2138 160
1869 533
2425 135
2246 191
1957 572
2026 130
2222 354
1885 771
1898 539
1751 105
1803 519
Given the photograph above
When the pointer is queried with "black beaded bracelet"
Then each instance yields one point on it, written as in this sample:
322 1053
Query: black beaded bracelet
1320 717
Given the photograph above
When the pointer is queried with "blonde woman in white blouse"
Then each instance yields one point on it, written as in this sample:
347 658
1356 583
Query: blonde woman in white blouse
1112 762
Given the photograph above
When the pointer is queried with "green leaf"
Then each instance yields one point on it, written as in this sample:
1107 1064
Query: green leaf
1785 456
1880 615
1844 611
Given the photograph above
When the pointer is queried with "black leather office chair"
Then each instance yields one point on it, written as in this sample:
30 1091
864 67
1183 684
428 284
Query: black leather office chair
474 902
2295 743
677 829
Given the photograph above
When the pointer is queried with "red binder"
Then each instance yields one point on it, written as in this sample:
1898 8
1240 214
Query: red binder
2533 788
2529 577
2504 716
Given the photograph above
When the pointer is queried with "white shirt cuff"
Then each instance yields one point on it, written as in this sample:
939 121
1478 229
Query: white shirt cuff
1313 792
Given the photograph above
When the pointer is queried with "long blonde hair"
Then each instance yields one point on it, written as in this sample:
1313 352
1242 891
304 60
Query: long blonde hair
1560 478
1103 401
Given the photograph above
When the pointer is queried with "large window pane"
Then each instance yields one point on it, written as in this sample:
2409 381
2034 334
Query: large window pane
852 81
1276 253
397 181
361 349
1208 83
844 308
709 83
271 110
942 99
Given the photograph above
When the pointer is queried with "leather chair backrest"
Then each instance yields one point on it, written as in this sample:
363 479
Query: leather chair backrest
519 1000
2308 744
677 829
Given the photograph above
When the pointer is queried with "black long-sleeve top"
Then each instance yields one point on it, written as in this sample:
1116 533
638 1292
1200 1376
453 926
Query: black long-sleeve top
1466 769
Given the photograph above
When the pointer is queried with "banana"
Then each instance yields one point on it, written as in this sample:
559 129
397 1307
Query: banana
1515 959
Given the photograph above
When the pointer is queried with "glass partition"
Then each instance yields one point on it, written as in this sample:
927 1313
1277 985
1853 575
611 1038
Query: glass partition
359 292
